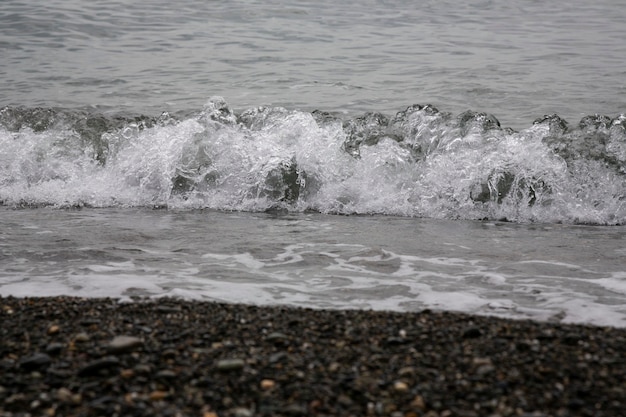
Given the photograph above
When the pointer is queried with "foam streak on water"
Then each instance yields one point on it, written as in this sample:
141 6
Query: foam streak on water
543 272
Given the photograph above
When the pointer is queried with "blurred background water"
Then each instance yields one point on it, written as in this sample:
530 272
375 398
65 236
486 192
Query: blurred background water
516 59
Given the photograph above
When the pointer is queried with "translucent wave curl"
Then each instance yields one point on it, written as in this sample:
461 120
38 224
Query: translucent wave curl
420 162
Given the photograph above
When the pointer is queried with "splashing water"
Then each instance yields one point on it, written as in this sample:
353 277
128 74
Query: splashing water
421 162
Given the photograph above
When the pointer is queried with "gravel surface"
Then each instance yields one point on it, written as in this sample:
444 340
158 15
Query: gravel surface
63 356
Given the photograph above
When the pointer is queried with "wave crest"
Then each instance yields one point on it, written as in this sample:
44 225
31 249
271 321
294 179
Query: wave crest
420 162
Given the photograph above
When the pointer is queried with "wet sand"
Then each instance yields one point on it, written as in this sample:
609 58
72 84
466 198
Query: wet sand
63 356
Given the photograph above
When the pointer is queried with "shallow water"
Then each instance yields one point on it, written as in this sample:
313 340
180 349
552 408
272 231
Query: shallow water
572 274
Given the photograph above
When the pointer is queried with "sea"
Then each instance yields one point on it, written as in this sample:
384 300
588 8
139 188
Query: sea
465 156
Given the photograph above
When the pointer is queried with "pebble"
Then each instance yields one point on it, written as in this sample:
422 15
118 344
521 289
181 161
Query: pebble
267 384
54 329
81 338
54 348
278 356
65 395
241 412
230 365
472 333
97 365
485 369
277 338
16 399
121 344
142 369
166 374
344 400
295 410
158 395
334 367
406 371
167 309
571 338
36 361
127 373
418 402
169 353
394 341
400 386
481 361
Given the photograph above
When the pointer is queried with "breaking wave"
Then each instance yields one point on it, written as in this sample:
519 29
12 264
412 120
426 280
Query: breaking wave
421 162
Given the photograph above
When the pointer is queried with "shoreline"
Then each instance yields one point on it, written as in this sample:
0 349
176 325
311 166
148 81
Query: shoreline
65 356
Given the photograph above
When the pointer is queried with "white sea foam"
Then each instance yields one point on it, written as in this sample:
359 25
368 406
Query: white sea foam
426 166
617 282
318 261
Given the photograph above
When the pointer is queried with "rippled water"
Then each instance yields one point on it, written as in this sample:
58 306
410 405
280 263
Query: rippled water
476 203
516 59
545 272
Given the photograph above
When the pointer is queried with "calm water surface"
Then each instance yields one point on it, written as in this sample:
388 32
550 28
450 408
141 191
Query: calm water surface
516 59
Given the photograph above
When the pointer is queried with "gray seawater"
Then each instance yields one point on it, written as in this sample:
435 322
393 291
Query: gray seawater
158 148
542 272
517 60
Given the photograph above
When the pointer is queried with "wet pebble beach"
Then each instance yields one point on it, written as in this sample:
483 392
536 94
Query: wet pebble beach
63 356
